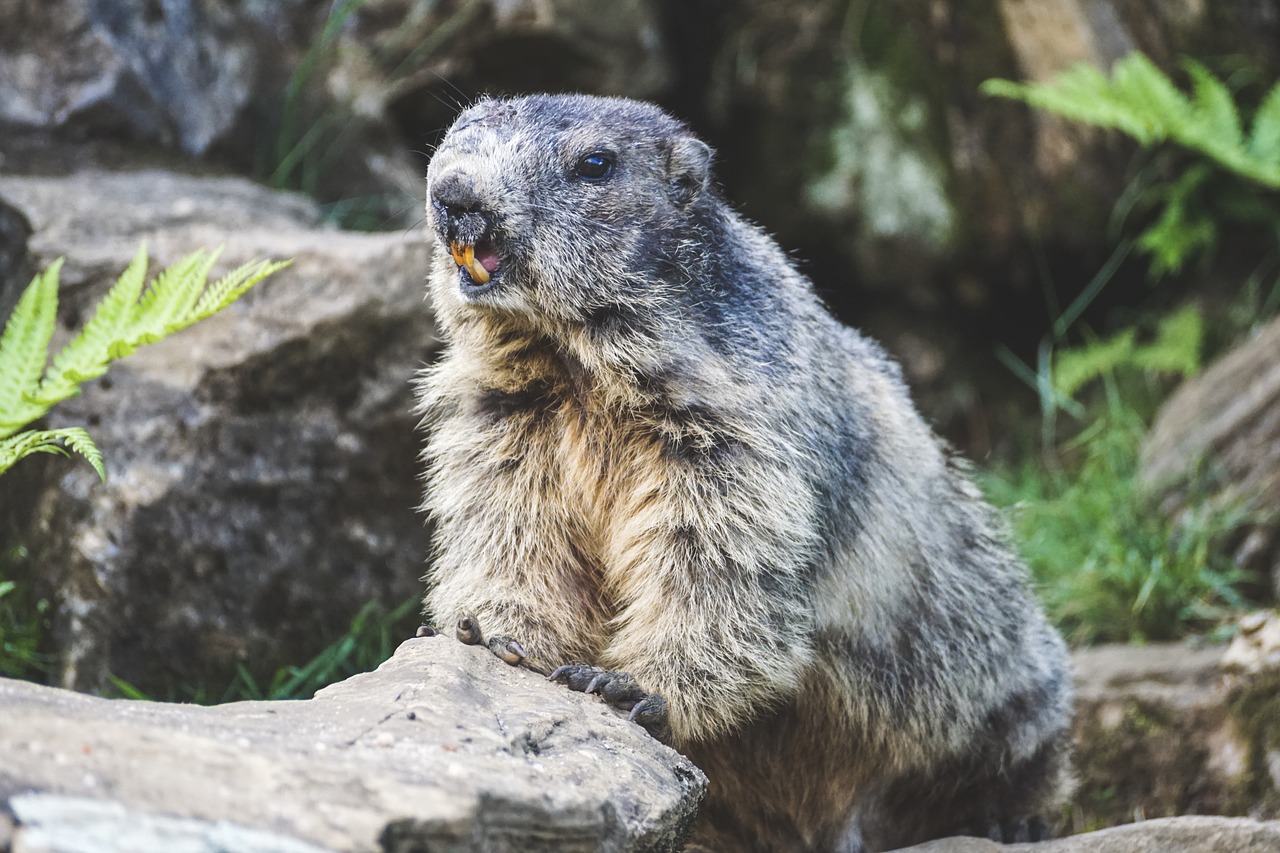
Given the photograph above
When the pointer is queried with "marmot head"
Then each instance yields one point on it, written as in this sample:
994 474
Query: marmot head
557 212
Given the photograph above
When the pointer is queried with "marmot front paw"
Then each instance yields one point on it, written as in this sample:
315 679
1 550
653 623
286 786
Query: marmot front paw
508 649
622 692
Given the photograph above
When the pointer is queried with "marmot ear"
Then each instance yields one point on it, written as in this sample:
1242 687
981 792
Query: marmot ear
688 168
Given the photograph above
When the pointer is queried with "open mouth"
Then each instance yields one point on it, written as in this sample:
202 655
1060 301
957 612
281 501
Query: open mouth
479 259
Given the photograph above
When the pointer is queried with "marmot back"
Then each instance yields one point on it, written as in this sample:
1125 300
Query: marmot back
654 456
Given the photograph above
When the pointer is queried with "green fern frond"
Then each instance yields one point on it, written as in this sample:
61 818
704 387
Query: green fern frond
233 285
131 315
59 441
1182 229
1140 100
24 347
1141 91
1076 367
1264 143
1176 347
80 360
166 305
1216 121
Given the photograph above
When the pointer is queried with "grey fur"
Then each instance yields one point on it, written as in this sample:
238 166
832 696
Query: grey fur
653 450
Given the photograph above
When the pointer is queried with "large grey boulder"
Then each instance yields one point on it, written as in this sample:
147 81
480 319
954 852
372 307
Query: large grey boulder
443 748
263 472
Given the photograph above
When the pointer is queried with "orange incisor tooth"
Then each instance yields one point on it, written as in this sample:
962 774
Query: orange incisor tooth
478 273
466 257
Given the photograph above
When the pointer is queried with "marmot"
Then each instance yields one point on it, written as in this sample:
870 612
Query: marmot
653 451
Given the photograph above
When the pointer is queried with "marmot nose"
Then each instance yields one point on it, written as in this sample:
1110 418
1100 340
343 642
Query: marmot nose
456 193
461 214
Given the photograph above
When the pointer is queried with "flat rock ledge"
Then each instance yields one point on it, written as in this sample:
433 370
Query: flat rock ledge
1191 834
443 748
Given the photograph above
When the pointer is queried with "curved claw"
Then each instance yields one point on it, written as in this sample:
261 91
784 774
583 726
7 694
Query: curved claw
468 630
651 708
575 676
508 649
425 631
651 713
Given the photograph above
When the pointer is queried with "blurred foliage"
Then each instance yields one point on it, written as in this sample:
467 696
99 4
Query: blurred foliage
1200 204
21 623
1111 565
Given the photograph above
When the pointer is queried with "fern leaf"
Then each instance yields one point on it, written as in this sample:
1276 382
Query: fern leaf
1074 368
16 447
1182 229
24 348
1142 90
1264 144
232 286
164 297
1143 102
1215 110
1176 348
82 359
1081 93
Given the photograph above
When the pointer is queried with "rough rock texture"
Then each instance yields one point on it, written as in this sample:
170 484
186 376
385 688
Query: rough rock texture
1170 730
443 748
176 71
262 465
1224 425
1166 835
1256 648
15 269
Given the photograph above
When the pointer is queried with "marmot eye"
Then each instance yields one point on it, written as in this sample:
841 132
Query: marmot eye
596 166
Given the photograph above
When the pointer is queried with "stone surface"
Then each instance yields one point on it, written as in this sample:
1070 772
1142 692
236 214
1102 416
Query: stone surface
15 269
1168 730
443 748
1165 835
1256 647
176 71
263 472
1224 425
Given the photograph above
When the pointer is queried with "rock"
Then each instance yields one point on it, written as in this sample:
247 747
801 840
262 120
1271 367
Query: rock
262 464
1166 835
1256 648
1168 730
443 748
15 269
178 71
1220 432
